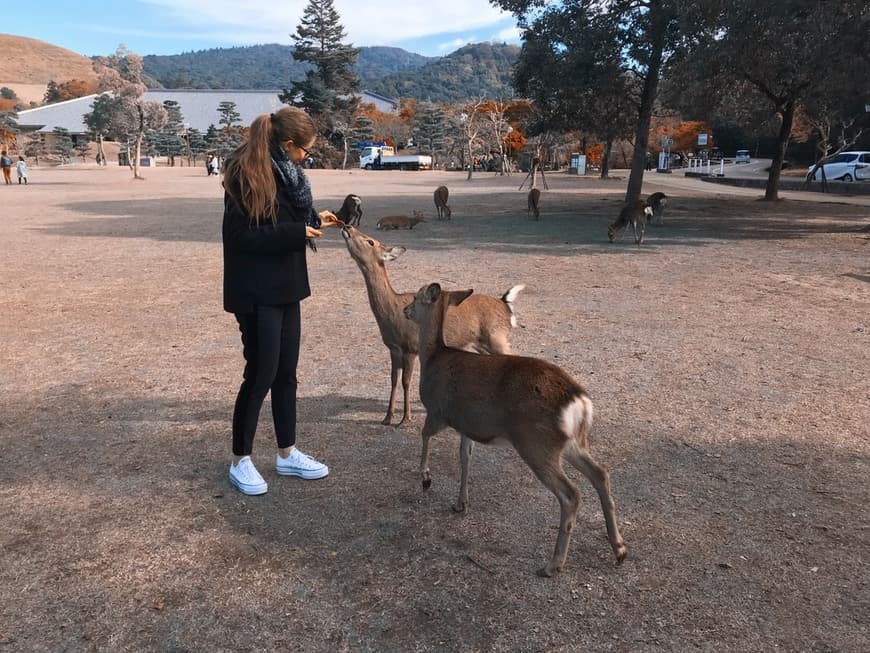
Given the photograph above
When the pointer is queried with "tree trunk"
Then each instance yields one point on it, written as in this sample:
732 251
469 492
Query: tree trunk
658 28
344 161
771 193
470 162
605 159
101 154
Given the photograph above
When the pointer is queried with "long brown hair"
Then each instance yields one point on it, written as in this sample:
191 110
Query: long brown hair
248 173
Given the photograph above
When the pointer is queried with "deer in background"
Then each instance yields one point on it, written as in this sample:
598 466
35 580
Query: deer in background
536 406
481 326
534 198
401 221
657 202
441 208
351 210
634 214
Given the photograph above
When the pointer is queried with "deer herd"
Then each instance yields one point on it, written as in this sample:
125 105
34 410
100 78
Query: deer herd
469 379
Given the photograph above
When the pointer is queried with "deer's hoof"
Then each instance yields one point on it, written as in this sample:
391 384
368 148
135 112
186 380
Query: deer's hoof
621 551
386 421
459 508
548 571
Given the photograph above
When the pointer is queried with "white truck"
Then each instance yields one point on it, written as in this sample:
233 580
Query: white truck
376 157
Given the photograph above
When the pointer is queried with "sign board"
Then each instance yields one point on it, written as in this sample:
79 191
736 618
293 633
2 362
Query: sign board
577 164
702 139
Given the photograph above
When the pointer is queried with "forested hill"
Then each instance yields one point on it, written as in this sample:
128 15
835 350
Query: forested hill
471 71
474 70
264 66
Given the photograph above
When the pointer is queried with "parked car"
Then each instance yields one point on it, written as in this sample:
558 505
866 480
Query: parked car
845 166
742 156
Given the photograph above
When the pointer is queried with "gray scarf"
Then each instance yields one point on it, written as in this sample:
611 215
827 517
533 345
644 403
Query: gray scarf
294 184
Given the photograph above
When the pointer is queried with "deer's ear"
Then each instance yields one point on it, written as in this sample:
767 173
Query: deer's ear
432 292
456 297
393 253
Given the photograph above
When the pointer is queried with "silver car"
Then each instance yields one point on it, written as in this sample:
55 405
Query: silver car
845 166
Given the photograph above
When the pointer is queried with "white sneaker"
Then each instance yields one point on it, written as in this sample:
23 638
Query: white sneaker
298 464
245 477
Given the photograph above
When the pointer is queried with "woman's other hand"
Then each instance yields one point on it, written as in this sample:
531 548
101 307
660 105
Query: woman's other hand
311 232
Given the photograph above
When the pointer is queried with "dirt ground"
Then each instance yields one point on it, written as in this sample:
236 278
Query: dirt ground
727 358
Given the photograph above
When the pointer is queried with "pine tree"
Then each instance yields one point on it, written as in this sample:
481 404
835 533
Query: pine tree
430 128
329 90
63 144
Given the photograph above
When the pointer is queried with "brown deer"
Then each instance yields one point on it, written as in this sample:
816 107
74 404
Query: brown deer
534 198
400 221
532 404
635 214
350 211
482 326
657 202
441 208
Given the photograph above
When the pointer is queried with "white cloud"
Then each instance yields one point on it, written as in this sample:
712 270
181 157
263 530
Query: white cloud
454 44
508 34
374 22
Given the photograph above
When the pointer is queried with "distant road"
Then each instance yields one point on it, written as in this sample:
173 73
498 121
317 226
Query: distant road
757 169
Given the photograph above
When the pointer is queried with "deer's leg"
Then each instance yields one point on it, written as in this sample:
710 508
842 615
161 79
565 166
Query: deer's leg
395 367
430 428
600 479
547 466
466 445
407 373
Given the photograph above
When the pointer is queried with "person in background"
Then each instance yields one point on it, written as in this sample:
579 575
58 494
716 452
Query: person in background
6 166
21 169
269 217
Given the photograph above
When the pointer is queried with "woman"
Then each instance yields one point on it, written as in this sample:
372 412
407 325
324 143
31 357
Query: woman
268 218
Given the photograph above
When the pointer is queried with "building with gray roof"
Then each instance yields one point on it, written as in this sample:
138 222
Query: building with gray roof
199 108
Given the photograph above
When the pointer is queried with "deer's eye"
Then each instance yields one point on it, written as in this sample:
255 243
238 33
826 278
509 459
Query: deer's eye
371 242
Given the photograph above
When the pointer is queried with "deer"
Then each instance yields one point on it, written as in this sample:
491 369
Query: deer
351 210
481 326
530 403
400 221
635 214
657 202
534 198
441 208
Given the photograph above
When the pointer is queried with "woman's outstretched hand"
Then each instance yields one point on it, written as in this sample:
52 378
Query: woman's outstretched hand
329 219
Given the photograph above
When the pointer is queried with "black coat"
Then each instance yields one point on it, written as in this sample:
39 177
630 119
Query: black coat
263 264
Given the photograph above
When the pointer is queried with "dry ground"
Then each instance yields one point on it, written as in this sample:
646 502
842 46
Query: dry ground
727 358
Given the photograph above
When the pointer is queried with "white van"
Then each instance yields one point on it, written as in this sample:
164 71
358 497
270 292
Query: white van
742 156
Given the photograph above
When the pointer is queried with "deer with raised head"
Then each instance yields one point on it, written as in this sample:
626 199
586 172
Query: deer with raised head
441 208
635 214
481 326
351 210
534 198
657 202
530 403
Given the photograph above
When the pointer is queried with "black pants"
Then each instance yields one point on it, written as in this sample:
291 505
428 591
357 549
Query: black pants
270 339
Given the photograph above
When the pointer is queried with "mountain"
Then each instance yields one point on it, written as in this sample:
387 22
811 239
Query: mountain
264 66
472 71
27 65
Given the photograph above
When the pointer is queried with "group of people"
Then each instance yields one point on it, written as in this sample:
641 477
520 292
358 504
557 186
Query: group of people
6 166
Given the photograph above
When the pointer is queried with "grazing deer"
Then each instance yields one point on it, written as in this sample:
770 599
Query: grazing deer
481 326
441 208
636 215
534 198
351 210
530 403
401 221
657 202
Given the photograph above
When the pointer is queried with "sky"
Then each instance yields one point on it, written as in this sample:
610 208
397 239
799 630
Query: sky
92 27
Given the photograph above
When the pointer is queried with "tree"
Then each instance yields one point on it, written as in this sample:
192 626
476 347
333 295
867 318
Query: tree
8 128
430 127
329 90
99 122
781 54
470 116
627 42
131 114
63 144
173 142
229 115
82 147
35 146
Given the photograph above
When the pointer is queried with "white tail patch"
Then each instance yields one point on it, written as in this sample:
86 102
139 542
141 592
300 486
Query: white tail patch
509 297
577 415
